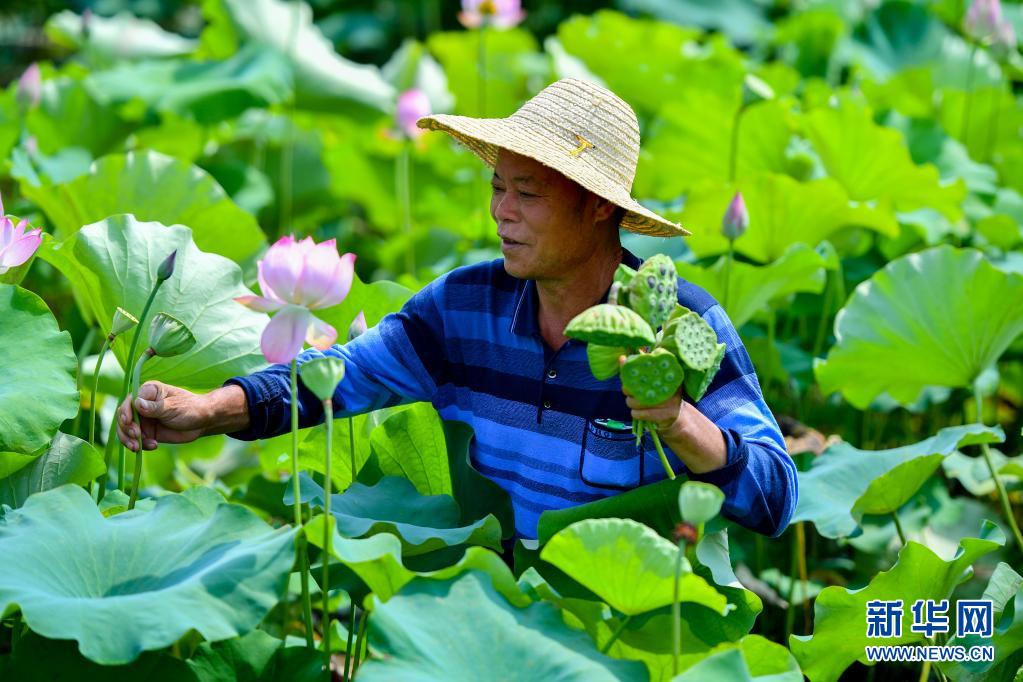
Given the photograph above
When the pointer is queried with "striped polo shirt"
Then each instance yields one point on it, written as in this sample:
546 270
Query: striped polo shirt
546 430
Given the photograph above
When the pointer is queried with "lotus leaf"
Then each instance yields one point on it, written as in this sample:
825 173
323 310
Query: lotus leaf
255 657
751 658
37 363
121 36
610 325
67 460
939 317
839 636
140 580
411 444
975 476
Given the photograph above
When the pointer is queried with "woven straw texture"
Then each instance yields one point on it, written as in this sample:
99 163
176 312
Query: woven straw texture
578 128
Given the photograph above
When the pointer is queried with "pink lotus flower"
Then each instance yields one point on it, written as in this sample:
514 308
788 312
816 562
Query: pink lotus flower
30 87
297 277
983 19
16 245
736 219
412 105
497 13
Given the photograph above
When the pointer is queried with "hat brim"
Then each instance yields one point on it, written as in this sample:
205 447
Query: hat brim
485 136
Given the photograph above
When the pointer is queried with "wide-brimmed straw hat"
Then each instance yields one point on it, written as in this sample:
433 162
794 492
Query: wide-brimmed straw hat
580 129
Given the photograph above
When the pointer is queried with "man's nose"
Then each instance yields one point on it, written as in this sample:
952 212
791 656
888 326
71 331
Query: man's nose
505 207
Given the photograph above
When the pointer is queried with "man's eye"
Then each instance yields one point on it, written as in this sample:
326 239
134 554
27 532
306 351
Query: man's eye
528 195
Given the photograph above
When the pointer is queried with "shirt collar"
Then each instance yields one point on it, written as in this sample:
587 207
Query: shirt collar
524 319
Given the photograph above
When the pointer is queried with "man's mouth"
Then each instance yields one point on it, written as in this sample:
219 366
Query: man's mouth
508 241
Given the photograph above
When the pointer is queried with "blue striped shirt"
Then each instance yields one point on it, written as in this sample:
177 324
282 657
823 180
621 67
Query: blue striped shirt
470 343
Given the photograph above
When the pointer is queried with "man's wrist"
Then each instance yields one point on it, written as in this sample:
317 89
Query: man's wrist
696 440
225 410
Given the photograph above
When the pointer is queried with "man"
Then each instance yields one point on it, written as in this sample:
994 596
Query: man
486 345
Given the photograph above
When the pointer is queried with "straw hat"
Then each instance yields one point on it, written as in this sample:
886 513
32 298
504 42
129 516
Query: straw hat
580 129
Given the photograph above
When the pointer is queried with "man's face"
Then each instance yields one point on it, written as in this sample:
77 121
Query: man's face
545 221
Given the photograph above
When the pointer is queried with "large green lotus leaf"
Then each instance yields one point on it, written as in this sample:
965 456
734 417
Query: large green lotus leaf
939 317
839 636
1005 590
993 126
113 263
67 460
509 69
782 212
152 186
411 444
122 36
37 363
626 564
743 21
377 561
208 92
647 62
690 141
69 116
975 476
255 657
323 79
140 580
393 505
845 483
749 659
37 659
886 178
752 288
482 633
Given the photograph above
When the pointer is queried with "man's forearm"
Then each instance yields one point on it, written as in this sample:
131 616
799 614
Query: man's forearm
697 441
227 410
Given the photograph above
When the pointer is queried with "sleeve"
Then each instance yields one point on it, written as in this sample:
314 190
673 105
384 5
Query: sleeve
759 477
400 360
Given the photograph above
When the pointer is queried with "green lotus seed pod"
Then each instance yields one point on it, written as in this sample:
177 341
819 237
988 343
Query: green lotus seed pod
604 360
610 325
122 322
322 375
652 378
620 284
697 382
653 292
699 502
168 336
692 340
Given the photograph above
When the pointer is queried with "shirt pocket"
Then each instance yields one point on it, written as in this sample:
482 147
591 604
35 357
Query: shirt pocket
609 456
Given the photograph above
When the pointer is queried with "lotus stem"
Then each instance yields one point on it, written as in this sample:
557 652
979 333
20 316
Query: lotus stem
351 445
676 612
728 272
286 164
898 528
733 147
615 635
135 378
130 361
303 555
349 668
328 410
822 327
359 642
95 389
999 486
660 453
403 180
964 127
108 454
790 611
90 336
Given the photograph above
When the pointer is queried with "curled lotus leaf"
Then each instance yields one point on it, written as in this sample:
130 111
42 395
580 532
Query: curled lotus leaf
610 325
653 291
604 360
693 340
652 377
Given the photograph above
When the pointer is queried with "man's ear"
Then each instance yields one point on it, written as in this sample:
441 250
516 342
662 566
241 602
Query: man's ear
602 208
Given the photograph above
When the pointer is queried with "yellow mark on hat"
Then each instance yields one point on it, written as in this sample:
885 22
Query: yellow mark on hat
584 144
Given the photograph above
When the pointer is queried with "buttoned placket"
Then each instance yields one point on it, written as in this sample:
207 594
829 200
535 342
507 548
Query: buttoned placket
548 375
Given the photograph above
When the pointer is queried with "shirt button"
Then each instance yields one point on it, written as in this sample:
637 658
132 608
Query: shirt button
552 374
547 404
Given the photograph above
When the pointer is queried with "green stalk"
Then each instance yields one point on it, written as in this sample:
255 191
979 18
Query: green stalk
129 362
676 613
403 179
728 272
822 327
95 389
898 528
349 668
351 445
108 454
615 635
328 410
999 486
359 641
660 453
790 611
964 127
733 149
135 377
993 123
90 336
303 555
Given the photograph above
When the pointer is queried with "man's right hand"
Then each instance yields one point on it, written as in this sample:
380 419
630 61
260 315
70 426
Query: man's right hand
169 415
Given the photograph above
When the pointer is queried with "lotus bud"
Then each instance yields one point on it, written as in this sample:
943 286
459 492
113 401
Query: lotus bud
1003 43
168 336
358 326
123 321
166 269
30 87
982 19
412 105
699 502
736 219
755 90
322 375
